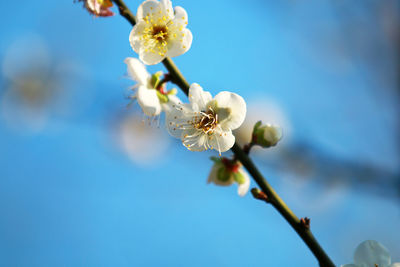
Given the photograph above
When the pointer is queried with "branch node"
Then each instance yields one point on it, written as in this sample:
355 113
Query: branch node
260 195
305 222
247 147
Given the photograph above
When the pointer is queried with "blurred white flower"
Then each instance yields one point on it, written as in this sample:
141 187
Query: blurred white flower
150 94
37 86
100 8
371 253
226 172
207 122
140 141
159 32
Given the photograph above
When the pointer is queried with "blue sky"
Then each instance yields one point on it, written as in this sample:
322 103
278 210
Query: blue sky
70 197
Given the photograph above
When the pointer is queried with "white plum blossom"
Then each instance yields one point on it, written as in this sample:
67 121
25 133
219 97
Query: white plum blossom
206 122
139 141
160 32
226 172
150 95
100 8
371 253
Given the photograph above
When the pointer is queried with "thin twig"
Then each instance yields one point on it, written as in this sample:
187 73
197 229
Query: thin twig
273 197
248 147
125 12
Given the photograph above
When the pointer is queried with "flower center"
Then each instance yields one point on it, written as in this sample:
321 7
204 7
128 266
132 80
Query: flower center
155 38
160 33
207 121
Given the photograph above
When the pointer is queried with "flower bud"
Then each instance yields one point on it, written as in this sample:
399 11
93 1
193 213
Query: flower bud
99 8
266 135
226 172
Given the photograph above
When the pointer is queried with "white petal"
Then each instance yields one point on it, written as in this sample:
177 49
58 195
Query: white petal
194 140
173 100
175 118
150 58
181 16
396 264
198 96
148 7
244 188
370 252
91 4
148 101
213 173
236 106
134 36
137 70
222 141
272 134
167 6
97 7
181 44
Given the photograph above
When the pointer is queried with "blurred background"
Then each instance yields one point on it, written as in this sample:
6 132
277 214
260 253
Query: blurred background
87 181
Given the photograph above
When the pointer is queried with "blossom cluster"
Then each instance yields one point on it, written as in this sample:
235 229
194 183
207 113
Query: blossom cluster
205 122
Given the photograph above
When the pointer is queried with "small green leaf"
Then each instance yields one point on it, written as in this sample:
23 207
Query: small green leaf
239 177
256 126
163 98
155 79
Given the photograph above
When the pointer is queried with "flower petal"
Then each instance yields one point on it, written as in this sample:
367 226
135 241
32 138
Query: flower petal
150 58
175 118
148 7
101 10
213 173
181 44
198 96
134 36
222 141
234 108
91 5
148 101
371 252
173 100
244 187
194 140
396 264
137 71
167 7
181 16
